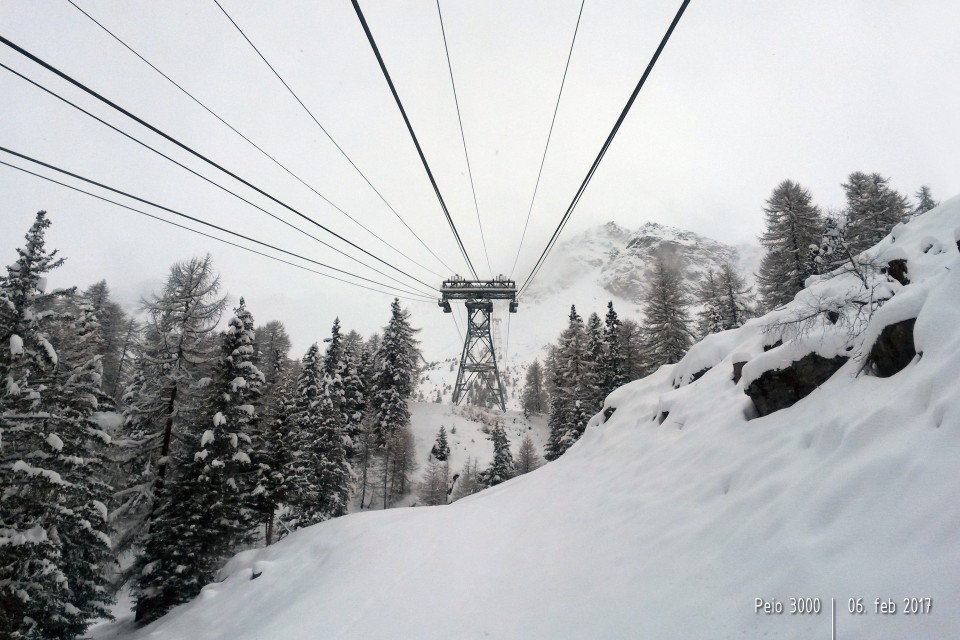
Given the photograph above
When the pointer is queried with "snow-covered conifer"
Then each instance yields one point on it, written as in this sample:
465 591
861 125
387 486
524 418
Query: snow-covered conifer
176 350
502 467
793 223
612 363
527 457
925 201
666 334
534 395
441 449
205 514
53 520
873 208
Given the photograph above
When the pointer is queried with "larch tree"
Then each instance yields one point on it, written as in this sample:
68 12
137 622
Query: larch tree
873 209
792 224
925 201
177 349
534 395
206 514
666 334
527 457
53 519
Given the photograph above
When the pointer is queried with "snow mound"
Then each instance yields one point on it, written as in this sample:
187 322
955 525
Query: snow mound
672 528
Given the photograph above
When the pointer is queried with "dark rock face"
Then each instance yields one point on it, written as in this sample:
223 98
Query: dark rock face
775 390
737 371
893 350
897 269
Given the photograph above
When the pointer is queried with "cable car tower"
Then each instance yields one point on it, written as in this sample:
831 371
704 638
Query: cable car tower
479 359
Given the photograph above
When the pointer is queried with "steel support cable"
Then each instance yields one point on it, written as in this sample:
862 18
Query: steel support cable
60 170
335 143
463 138
416 143
603 149
199 155
201 176
206 235
249 141
553 121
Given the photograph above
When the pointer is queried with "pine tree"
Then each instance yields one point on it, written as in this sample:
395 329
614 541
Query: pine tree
873 208
206 514
534 395
666 334
441 449
793 224
53 541
501 467
925 201
527 457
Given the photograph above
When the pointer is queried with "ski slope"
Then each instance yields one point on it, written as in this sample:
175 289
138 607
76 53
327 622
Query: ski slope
674 516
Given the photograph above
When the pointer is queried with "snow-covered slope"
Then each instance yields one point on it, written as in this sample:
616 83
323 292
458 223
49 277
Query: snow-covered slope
674 516
606 263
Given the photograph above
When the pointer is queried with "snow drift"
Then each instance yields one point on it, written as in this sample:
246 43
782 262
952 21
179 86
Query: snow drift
673 517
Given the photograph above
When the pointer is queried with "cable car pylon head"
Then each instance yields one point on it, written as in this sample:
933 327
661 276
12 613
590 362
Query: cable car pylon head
478 360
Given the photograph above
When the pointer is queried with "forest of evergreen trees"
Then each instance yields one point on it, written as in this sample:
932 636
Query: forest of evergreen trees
148 450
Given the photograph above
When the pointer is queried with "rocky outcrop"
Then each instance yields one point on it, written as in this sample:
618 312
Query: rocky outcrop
781 388
893 350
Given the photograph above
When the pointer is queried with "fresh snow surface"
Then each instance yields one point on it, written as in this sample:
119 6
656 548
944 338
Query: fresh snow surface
656 526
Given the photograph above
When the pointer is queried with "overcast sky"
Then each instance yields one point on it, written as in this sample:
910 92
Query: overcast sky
745 95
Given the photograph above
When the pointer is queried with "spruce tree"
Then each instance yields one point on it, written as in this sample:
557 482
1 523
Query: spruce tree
593 381
354 379
433 486
502 466
666 334
613 361
205 515
873 209
305 424
114 336
570 368
441 449
925 201
274 456
53 520
394 379
793 223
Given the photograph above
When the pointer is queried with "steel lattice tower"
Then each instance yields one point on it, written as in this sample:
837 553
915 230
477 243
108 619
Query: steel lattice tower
478 361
